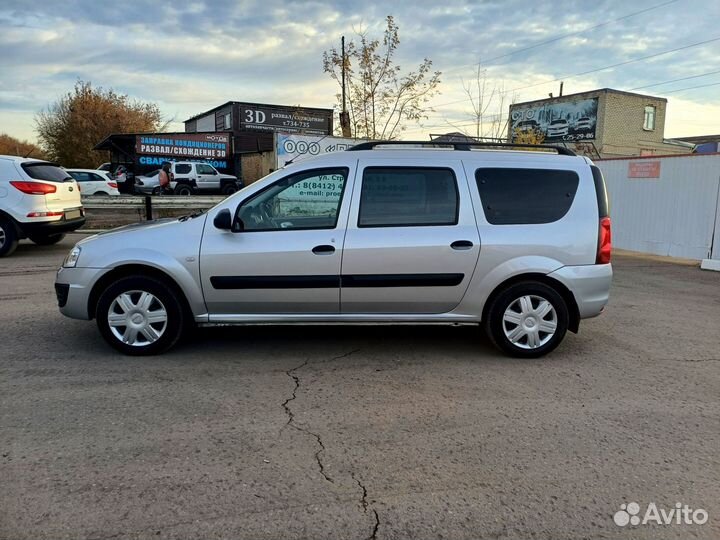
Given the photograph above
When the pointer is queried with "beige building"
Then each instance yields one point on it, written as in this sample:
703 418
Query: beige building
611 123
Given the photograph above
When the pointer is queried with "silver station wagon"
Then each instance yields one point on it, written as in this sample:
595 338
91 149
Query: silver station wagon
515 241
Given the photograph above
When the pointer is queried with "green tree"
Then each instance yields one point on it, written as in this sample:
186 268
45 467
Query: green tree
70 128
381 99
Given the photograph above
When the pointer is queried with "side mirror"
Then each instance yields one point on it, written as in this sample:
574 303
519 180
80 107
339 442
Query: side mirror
223 220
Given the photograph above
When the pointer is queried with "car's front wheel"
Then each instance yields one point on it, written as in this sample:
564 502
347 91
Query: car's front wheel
140 316
527 320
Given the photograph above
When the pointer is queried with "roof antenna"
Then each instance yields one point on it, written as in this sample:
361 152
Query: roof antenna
29 152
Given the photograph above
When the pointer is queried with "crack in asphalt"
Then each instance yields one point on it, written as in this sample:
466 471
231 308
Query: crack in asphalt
291 416
292 373
365 504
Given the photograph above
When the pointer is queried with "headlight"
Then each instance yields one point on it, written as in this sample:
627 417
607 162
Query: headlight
72 258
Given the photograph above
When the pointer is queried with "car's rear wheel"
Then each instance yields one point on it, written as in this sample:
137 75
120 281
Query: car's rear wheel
527 320
183 189
229 189
46 239
140 316
8 237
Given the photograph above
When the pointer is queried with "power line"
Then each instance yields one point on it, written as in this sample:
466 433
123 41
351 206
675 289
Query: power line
563 36
572 76
676 80
692 88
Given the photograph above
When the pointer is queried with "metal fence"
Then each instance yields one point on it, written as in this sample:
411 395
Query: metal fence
666 205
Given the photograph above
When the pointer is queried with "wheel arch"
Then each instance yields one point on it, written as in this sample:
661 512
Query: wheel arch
127 270
567 295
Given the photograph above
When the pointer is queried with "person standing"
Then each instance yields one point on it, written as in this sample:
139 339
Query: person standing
165 177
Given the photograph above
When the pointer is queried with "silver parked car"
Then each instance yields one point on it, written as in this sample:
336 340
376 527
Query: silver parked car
516 241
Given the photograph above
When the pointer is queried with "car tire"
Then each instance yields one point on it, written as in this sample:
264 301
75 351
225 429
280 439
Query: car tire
156 191
46 240
527 320
140 316
183 189
8 237
229 189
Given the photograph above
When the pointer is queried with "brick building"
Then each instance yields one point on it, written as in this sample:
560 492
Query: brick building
608 122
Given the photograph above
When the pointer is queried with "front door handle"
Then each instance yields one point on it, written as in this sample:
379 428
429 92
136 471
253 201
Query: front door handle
324 250
461 245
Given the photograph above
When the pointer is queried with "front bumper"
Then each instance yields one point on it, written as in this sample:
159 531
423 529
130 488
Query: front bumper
590 284
73 285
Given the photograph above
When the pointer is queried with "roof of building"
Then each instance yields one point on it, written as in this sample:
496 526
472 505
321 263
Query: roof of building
589 93
199 115
699 139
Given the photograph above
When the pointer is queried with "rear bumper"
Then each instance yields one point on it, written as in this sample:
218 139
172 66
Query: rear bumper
48 228
590 284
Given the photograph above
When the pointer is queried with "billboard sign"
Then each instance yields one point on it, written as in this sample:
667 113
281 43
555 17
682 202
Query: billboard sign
294 120
190 146
572 120
292 146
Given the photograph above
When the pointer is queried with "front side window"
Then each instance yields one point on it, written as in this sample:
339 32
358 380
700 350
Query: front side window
307 200
525 196
205 169
649 123
407 197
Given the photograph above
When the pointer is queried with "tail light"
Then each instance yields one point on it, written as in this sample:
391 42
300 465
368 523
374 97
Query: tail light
604 242
33 188
45 214
112 185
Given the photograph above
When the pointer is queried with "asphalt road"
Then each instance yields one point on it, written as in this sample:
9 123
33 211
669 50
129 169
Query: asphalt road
367 432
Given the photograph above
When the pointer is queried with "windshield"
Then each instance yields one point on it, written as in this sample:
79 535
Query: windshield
45 171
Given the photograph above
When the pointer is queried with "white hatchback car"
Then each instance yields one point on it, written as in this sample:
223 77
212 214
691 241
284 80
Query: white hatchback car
38 200
94 182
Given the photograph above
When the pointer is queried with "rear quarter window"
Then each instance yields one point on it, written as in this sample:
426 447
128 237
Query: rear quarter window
525 196
182 168
45 171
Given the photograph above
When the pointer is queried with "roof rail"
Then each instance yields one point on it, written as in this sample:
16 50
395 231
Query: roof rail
561 150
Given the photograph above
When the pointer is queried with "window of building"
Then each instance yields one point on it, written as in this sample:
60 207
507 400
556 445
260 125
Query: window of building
227 121
408 196
649 122
306 200
525 196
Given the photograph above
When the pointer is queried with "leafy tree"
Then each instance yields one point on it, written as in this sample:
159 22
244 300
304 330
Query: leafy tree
13 146
528 137
380 97
70 128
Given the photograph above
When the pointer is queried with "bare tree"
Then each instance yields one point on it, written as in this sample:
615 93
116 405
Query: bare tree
381 98
488 104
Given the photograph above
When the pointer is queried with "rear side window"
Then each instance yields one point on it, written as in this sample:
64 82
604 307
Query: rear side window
182 168
525 196
601 192
408 196
45 171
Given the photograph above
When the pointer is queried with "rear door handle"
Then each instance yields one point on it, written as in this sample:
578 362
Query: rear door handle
324 250
461 245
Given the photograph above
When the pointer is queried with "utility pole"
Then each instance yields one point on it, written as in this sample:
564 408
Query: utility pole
344 115
561 86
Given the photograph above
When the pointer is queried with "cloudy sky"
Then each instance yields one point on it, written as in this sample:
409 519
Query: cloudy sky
189 56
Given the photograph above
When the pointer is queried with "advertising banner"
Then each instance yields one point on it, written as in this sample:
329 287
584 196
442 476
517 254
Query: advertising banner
292 146
190 146
644 169
572 120
294 120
